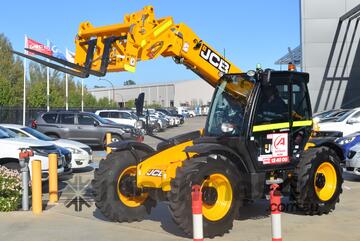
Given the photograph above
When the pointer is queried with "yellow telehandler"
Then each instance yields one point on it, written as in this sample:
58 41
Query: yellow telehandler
258 128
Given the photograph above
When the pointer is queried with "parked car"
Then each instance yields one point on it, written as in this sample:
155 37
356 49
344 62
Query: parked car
173 120
84 127
81 154
10 148
124 117
171 112
353 160
346 124
191 113
347 142
328 116
155 123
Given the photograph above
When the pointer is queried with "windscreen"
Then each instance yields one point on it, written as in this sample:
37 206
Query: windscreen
229 103
37 134
10 133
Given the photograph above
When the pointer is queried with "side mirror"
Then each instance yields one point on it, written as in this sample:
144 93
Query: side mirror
353 121
227 127
139 104
96 123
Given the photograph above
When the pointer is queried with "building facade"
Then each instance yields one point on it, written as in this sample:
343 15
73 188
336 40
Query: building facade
180 93
330 52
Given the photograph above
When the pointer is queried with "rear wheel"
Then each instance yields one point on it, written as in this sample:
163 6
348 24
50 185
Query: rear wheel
115 190
317 183
221 194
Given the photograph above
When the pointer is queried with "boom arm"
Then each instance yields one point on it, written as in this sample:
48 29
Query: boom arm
140 37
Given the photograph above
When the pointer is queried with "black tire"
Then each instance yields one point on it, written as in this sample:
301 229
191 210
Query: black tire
105 188
12 165
195 171
305 179
115 138
157 128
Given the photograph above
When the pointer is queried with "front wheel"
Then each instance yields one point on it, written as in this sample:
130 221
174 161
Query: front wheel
221 194
115 190
317 183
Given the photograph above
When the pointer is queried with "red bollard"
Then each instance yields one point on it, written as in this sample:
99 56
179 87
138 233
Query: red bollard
196 196
275 204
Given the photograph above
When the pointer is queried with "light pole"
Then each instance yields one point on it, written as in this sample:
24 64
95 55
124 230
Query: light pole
113 88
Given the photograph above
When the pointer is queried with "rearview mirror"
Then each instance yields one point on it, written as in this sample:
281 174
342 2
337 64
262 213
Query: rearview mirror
96 123
353 121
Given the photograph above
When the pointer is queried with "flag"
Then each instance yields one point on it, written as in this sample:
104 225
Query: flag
70 56
56 51
32 44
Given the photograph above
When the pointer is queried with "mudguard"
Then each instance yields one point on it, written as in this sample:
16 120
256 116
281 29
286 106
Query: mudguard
213 148
130 145
178 139
328 142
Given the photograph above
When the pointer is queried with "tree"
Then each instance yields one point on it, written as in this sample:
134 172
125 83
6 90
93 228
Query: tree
11 74
129 82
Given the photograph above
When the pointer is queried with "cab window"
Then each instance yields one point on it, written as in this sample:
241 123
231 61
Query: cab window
300 105
104 114
273 104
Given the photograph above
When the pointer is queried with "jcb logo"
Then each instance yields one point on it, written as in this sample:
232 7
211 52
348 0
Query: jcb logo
214 59
154 173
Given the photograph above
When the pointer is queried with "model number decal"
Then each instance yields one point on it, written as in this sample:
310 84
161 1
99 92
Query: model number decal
214 59
154 173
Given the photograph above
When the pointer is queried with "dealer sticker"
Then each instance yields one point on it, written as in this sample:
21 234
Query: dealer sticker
276 150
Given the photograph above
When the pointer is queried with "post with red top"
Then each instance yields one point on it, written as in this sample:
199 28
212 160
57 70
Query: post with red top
196 196
275 207
24 158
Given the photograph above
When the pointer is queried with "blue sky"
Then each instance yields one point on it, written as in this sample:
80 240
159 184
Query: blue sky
257 31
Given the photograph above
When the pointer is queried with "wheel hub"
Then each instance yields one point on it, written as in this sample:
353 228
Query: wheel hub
320 180
128 188
209 195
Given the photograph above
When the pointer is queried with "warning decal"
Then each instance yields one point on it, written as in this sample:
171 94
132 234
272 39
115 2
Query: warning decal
277 151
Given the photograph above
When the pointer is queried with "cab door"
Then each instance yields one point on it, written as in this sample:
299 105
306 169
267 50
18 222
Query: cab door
270 132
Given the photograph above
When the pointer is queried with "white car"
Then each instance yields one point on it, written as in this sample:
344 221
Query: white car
191 113
173 120
81 154
123 117
348 123
353 160
10 149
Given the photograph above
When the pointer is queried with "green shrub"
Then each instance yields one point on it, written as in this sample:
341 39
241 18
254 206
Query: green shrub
10 189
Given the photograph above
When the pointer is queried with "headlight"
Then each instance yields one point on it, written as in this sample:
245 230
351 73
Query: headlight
74 150
346 140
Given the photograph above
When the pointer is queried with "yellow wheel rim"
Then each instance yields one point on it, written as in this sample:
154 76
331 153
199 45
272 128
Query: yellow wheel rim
131 202
223 200
325 181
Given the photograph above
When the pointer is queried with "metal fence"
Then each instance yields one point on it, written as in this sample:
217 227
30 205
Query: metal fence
14 115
